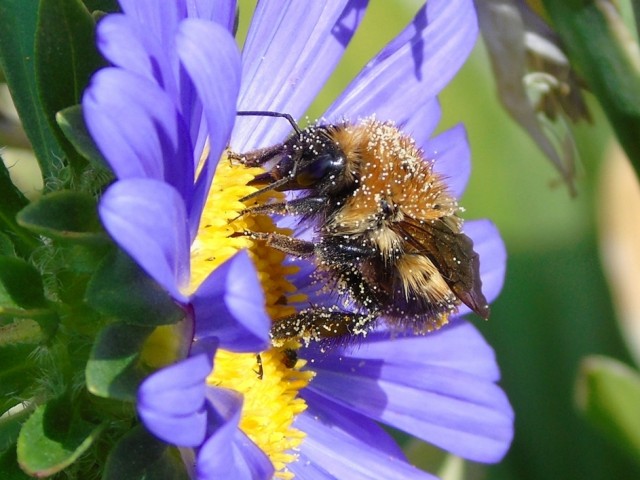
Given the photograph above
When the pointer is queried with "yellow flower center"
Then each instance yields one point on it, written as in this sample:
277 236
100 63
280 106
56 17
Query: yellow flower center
269 381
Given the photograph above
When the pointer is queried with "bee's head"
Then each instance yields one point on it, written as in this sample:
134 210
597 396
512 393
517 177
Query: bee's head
309 160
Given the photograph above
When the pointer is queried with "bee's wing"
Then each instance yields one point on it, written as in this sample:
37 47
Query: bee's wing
453 255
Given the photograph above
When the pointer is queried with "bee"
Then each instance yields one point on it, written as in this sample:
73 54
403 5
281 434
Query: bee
388 237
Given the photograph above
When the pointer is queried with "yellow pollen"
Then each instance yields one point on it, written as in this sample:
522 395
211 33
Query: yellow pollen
268 382
271 400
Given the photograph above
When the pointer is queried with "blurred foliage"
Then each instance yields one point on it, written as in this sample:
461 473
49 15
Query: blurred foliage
608 393
555 306
602 48
54 283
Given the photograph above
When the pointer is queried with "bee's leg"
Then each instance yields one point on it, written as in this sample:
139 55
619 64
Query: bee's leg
332 251
284 243
289 357
258 157
339 250
298 206
318 323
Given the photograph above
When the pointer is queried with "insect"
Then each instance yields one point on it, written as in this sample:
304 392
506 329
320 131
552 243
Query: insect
388 238
260 368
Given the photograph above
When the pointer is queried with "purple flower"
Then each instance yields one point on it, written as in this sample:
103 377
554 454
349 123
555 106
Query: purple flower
149 115
163 115
162 124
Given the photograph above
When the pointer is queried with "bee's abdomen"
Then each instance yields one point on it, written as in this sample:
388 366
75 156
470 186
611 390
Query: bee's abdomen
410 293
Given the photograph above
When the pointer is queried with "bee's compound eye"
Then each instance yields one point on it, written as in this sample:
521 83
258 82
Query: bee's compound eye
319 168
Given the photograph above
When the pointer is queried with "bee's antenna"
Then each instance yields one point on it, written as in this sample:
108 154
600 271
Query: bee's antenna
259 113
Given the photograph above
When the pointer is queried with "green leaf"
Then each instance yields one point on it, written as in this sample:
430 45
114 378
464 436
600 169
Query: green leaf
11 198
30 326
53 438
601 47
608 393
113 369
121 289
11 202
21 283
10 424
66 56
68 216
109 6
9 466
17 53
140 456
71 121
20 331
18 372
6 246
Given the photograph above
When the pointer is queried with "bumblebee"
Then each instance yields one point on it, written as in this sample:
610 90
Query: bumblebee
388 238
